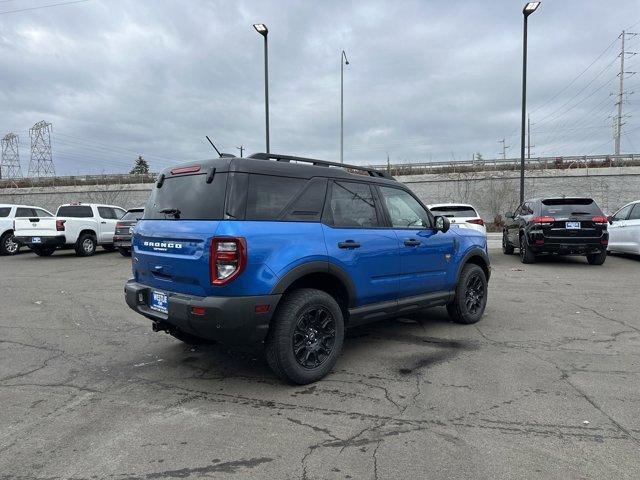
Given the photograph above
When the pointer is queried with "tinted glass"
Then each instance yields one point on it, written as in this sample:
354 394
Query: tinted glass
307 207
454 211
42 213
404 210
352 205
133 215
75 211
635 213
25 212
267 195
623 213
570 206
5 211
107 213
188 195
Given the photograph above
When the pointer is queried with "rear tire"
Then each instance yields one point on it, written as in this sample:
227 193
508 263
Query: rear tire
471 295
125 252
507 248
597 258
8 245
86 245
306 336
44 251
526 255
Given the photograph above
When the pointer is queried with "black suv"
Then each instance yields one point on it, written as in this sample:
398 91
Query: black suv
564 226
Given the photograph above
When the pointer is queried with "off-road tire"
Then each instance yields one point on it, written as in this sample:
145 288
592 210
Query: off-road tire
43 251
82 245
295 310
507 248
526 254
460 309
125 252
7 244
597 258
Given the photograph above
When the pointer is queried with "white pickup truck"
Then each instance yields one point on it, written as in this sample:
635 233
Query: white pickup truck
8 213
82 226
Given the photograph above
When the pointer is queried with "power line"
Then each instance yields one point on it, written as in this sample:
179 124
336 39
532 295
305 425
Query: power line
43 6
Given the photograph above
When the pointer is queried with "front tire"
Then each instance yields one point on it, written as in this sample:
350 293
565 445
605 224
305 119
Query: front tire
8 245
507 248
471 295
597 258
526 254
306 336
86 245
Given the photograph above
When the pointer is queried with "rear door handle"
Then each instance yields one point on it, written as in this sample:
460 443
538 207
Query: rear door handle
411 242
103 223
349 244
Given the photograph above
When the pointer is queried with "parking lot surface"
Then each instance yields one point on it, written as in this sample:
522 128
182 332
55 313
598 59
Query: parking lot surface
545 386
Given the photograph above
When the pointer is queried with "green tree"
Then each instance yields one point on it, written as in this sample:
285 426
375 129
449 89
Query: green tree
141 166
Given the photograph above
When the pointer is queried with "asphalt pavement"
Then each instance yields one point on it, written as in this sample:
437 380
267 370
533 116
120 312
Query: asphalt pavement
545 386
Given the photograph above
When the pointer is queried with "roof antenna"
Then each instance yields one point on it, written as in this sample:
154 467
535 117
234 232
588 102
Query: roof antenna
214 147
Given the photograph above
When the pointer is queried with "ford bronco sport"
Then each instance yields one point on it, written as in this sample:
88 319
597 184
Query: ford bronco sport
285 253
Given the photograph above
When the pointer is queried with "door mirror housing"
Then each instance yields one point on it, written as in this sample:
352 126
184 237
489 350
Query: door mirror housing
442 223
508 215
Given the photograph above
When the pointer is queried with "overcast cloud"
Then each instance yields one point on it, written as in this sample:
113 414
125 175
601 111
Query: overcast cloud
428 80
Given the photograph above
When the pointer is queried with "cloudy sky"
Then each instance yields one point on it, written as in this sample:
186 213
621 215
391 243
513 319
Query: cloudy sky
427 80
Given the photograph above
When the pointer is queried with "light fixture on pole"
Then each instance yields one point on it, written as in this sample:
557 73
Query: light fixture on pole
528 9
262 29
343 62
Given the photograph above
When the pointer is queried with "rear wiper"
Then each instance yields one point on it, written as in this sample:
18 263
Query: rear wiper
170 211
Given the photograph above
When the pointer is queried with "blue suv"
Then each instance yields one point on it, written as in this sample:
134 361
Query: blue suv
285 252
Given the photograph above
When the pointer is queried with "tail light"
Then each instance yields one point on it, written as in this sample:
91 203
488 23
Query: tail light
604 241
119 226
476 221
600 220
544 221
228 257
60 225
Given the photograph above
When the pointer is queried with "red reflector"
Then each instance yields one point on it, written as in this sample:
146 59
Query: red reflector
199 311
544 220
476 221
60 225
600 220
262 308
604 241
178 171
539 241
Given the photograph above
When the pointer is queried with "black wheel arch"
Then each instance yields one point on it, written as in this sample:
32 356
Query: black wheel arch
478 257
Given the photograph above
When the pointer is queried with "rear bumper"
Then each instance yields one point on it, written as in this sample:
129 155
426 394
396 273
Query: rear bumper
56 241
568 245
228 320
122 241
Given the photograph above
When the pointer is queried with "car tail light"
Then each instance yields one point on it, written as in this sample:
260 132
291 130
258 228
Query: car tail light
119 226
181 170
539 241
544 221
60 225
600 220
228 257
604 241
476 221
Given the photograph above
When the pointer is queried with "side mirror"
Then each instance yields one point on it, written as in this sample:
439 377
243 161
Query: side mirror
508 215
442 224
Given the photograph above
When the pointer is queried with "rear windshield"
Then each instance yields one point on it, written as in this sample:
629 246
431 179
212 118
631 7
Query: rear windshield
187 197
75 211
4 211
134 215
454 211
570 206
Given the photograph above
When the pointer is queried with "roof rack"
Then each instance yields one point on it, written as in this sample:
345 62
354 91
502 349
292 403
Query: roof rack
321 163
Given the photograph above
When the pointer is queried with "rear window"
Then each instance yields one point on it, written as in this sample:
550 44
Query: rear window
454 211
133 215
570 206
188 197
5 211
75 211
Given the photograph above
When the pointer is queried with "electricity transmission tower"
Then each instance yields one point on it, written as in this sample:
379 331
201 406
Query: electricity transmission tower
41 163
504 148
10 164
617 126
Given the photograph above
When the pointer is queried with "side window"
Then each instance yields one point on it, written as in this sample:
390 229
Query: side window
5 211
518 211
267 195
119 213
623 213
352 205
41 213
25 212
404 210
307 206
635 213
107 213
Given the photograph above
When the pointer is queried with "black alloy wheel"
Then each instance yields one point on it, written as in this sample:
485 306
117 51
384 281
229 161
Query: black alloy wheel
474 295
314 337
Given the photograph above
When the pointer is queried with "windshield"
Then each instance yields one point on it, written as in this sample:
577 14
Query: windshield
187 197
565 207
133 215
454 211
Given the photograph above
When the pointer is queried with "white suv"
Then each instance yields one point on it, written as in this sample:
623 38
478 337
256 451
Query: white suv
8 213
460 215
82 226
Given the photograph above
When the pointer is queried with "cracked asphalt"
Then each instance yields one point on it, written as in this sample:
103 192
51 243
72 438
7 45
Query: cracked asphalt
545 386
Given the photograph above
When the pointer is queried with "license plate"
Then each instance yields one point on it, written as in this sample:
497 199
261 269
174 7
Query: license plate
36 240
572 225
159 302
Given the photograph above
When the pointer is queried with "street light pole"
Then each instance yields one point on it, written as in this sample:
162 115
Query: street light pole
343 62
528 9
262 29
